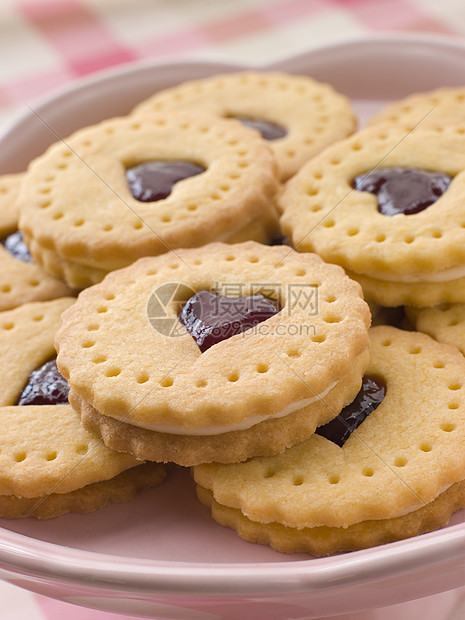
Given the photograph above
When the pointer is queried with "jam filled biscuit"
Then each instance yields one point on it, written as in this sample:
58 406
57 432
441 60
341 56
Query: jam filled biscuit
9 189
399 473
386 204
298 115
435 106
50 465
216 353
21 281
128 188
445 322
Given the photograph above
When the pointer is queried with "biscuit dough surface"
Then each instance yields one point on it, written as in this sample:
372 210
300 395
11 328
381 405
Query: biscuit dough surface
49 464
313 114
21 282
75 202
399 461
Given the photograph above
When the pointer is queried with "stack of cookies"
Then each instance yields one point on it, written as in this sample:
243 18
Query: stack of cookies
212 256
50 464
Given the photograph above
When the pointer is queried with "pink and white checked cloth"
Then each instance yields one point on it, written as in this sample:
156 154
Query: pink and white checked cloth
45 44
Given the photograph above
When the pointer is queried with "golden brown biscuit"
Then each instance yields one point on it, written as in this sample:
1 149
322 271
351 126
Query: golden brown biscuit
302 116
415 257
127 356
322 540
400 473
445 322
49 464
435 106
81 219
20 281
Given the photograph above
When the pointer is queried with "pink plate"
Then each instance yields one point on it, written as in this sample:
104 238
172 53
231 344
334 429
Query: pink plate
161 556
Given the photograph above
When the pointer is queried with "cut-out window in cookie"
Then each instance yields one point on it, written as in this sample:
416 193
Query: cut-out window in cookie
268 130
45 386
279 239
371 394
154 180
211 318
402 190
15 246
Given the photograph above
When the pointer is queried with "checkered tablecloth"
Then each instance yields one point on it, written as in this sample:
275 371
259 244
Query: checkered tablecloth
45 44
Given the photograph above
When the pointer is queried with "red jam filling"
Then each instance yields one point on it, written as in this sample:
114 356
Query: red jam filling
154 180
269 131
15 246
367 400
403 190
45 386
212 318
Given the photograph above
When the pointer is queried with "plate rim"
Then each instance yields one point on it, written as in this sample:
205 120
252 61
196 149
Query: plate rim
19 554
103 76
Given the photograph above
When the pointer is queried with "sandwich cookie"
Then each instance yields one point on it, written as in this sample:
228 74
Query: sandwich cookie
216 353
391 466
49 464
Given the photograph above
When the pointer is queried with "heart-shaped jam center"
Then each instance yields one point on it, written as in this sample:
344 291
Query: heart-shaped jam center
367 400
403 190
45 386
269 131
212 318
154 180
15 245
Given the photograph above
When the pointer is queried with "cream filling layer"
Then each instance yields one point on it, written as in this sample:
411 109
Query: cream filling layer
442 276
243 425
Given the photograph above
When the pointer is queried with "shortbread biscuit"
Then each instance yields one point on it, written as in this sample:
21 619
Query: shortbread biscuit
127 356
121 488
49 464
80 276
323 540
20 281
9 189
76 275
439 105
76 203
416 258
399 474
269 437
445 322
305 115
418 294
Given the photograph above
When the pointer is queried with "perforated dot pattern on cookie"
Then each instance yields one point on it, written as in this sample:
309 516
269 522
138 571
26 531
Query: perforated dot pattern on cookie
445 322
286 361
271 436
42 447
27 334
9 188
313 114
344 226
76 201
398 460
77 276
324 540
20 282
433 107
